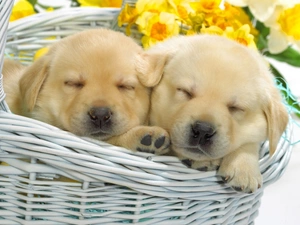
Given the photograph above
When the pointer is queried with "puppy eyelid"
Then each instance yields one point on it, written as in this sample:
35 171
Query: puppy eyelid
75 84
125 87
186 92
235 108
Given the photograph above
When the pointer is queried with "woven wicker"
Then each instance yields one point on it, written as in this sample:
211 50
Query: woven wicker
5 9
49 176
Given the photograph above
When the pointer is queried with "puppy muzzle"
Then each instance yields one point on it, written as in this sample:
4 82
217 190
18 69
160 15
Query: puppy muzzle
100 120
202 134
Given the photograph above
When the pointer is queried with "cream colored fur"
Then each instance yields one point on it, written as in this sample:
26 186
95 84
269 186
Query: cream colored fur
219 82
88 70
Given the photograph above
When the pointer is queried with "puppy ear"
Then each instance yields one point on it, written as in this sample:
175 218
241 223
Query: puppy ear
150 67
277 119
32 81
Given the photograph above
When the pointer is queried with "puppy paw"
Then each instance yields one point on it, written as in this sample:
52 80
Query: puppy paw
153 140
242 178
208 165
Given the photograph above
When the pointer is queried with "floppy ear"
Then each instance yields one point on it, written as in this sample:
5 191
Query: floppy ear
277 119
32 81
150 67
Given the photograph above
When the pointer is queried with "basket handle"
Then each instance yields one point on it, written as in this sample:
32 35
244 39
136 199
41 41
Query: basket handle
5 11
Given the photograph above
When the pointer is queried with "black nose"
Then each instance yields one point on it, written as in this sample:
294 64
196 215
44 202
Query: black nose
202 133
100 116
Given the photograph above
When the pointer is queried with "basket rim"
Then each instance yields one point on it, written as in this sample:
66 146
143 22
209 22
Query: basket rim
58 15
150 172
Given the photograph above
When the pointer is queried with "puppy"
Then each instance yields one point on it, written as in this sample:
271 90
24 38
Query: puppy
218 101
91 84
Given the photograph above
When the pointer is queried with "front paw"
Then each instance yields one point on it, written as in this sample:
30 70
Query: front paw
153 140
207 165
243 178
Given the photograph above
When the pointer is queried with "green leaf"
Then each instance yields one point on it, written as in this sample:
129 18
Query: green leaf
261 43
32 2
263 30
75 3
290 99
248 12
261 38
290 56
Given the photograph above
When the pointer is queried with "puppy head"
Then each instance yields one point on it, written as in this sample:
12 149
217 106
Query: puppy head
215 96
89 84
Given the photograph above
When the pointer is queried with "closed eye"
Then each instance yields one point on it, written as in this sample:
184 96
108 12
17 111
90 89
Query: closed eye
124 87
235 108
187 93
74 84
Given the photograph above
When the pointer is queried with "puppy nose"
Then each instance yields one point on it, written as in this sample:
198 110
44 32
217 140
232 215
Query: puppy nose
100 115
202 132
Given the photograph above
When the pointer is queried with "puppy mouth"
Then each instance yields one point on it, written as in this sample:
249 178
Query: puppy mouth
100 133
197 150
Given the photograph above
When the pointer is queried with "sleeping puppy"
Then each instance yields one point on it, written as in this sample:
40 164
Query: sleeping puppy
218 101
91 84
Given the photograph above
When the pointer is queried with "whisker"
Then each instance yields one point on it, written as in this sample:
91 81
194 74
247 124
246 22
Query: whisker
192 147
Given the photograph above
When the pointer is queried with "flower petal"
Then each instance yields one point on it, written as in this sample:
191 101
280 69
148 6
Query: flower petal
297 43
272 20
149 5
288 3
39 53
240 3
21 9
145 21
277 41
262 10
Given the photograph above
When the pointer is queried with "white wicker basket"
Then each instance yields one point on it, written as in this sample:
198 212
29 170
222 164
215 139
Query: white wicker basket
69 180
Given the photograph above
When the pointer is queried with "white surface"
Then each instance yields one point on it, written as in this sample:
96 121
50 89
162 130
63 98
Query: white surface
281 200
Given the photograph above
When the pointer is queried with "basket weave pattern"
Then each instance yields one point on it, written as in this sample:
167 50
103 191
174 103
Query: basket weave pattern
52 177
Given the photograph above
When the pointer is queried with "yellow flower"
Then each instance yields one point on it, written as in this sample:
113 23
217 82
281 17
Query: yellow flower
284 28
127 16
241 35
50 9
243 18
181 8
214 30
197 21
39 53
182 12
206 6
157 27
21 9
289 21
191 32
159 20
152 6
261 9
101 3
232 17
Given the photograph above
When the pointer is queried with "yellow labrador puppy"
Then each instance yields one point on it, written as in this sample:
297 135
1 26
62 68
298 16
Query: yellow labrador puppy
218 101
91 84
